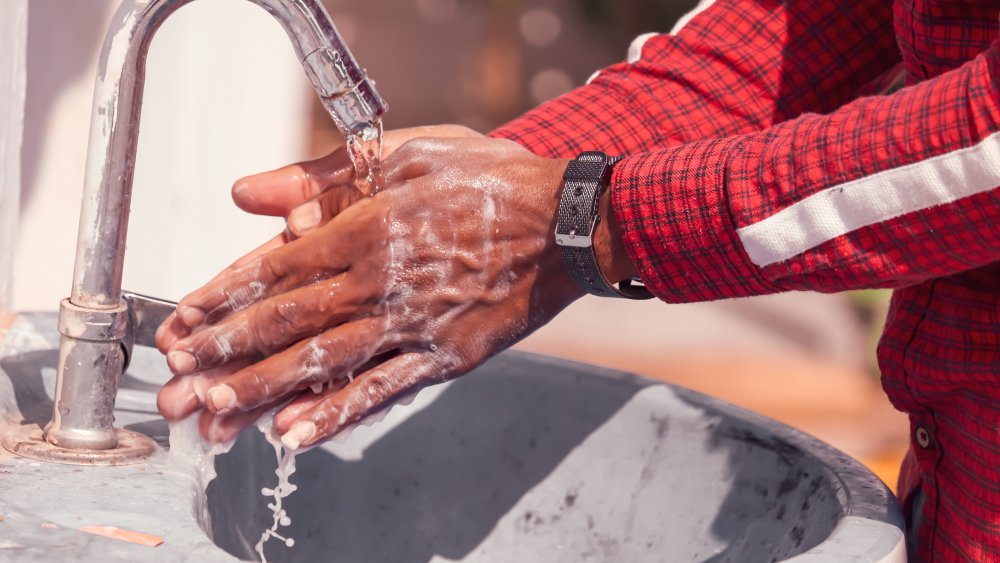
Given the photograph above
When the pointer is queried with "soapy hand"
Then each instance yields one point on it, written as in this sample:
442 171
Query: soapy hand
307 195
292 192
449 263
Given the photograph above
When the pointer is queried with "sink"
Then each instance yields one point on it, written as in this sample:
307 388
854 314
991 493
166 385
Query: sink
527 459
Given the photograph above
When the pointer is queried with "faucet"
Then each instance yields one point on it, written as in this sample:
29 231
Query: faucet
99 323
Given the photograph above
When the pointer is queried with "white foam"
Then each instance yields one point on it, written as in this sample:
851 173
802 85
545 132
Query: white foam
196 457
284 488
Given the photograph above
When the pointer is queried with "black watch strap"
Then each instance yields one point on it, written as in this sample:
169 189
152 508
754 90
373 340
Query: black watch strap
584 181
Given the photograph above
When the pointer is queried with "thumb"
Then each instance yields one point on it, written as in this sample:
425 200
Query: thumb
279 191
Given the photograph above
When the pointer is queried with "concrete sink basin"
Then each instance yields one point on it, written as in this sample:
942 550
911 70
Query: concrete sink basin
528 459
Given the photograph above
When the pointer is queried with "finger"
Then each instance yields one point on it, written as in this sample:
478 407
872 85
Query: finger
279 191
172 329
294 410
179 324
323 255
183 395
329 357
284 418
318 211
219 428
329 252
272 324
413 159
395 138
276 242
366 394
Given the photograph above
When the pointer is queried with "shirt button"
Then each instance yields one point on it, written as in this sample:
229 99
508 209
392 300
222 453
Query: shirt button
922 437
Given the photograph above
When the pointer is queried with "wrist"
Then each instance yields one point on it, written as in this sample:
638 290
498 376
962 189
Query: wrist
612 257
587 230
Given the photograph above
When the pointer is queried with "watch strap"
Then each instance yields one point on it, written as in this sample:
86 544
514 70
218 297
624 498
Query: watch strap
584 181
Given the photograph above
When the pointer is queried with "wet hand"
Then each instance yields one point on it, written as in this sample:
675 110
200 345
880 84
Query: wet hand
292 192
307 194
450 262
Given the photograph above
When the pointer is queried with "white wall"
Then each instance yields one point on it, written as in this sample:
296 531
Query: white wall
225 96
13 30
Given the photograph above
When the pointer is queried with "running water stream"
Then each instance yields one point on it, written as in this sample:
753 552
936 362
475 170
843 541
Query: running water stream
365 151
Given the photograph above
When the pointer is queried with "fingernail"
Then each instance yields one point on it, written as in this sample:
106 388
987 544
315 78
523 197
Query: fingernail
241 189
298 434
221 398
191 316
181 362
305 217
161 334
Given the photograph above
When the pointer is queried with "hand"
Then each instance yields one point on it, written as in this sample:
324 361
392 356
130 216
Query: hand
307 194
450 262
294 192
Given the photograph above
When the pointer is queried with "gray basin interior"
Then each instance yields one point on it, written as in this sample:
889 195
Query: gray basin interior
527 459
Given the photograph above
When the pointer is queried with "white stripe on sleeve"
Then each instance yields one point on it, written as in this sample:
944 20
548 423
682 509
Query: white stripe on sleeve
635 48
838 210
686 18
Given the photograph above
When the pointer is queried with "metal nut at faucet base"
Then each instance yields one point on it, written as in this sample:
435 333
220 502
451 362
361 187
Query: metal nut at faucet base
100 325
28 442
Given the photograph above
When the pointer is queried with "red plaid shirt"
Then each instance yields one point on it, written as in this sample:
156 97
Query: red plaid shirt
757 166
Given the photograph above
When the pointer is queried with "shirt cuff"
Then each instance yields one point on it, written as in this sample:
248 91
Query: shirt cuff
675 219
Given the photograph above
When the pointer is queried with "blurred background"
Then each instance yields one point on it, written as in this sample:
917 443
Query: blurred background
225 97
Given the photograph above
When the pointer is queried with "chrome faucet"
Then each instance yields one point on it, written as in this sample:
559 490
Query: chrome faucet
99 323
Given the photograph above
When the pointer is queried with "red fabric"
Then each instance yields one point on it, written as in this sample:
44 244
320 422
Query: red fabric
753 107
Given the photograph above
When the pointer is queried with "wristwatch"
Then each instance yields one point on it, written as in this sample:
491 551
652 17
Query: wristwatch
584 181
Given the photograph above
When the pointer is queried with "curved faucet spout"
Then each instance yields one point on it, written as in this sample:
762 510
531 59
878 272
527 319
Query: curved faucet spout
92 319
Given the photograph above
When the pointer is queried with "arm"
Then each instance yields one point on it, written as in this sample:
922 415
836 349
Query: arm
737 66
885 192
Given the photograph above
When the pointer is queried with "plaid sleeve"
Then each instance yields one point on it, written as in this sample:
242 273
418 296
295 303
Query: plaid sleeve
730 67
885 192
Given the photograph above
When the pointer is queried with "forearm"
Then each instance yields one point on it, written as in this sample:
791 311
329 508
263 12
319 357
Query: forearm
885 192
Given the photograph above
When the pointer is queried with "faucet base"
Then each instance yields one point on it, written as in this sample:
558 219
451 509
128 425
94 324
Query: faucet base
27 441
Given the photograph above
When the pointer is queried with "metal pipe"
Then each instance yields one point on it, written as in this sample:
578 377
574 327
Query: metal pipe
90 361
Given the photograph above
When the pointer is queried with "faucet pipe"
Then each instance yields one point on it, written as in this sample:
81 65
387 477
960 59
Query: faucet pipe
93 347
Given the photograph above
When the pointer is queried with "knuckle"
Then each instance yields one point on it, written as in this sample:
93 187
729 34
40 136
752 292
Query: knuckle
258 388
263 328
376 388
272 267
321 361
412 148
217 348
284 315
306 187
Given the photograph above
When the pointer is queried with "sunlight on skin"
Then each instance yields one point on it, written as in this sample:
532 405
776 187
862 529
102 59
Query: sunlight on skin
449 263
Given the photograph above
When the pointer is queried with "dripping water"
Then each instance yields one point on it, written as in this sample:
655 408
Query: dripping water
365 151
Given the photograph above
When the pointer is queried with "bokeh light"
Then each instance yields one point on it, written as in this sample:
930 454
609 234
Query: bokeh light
540 27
